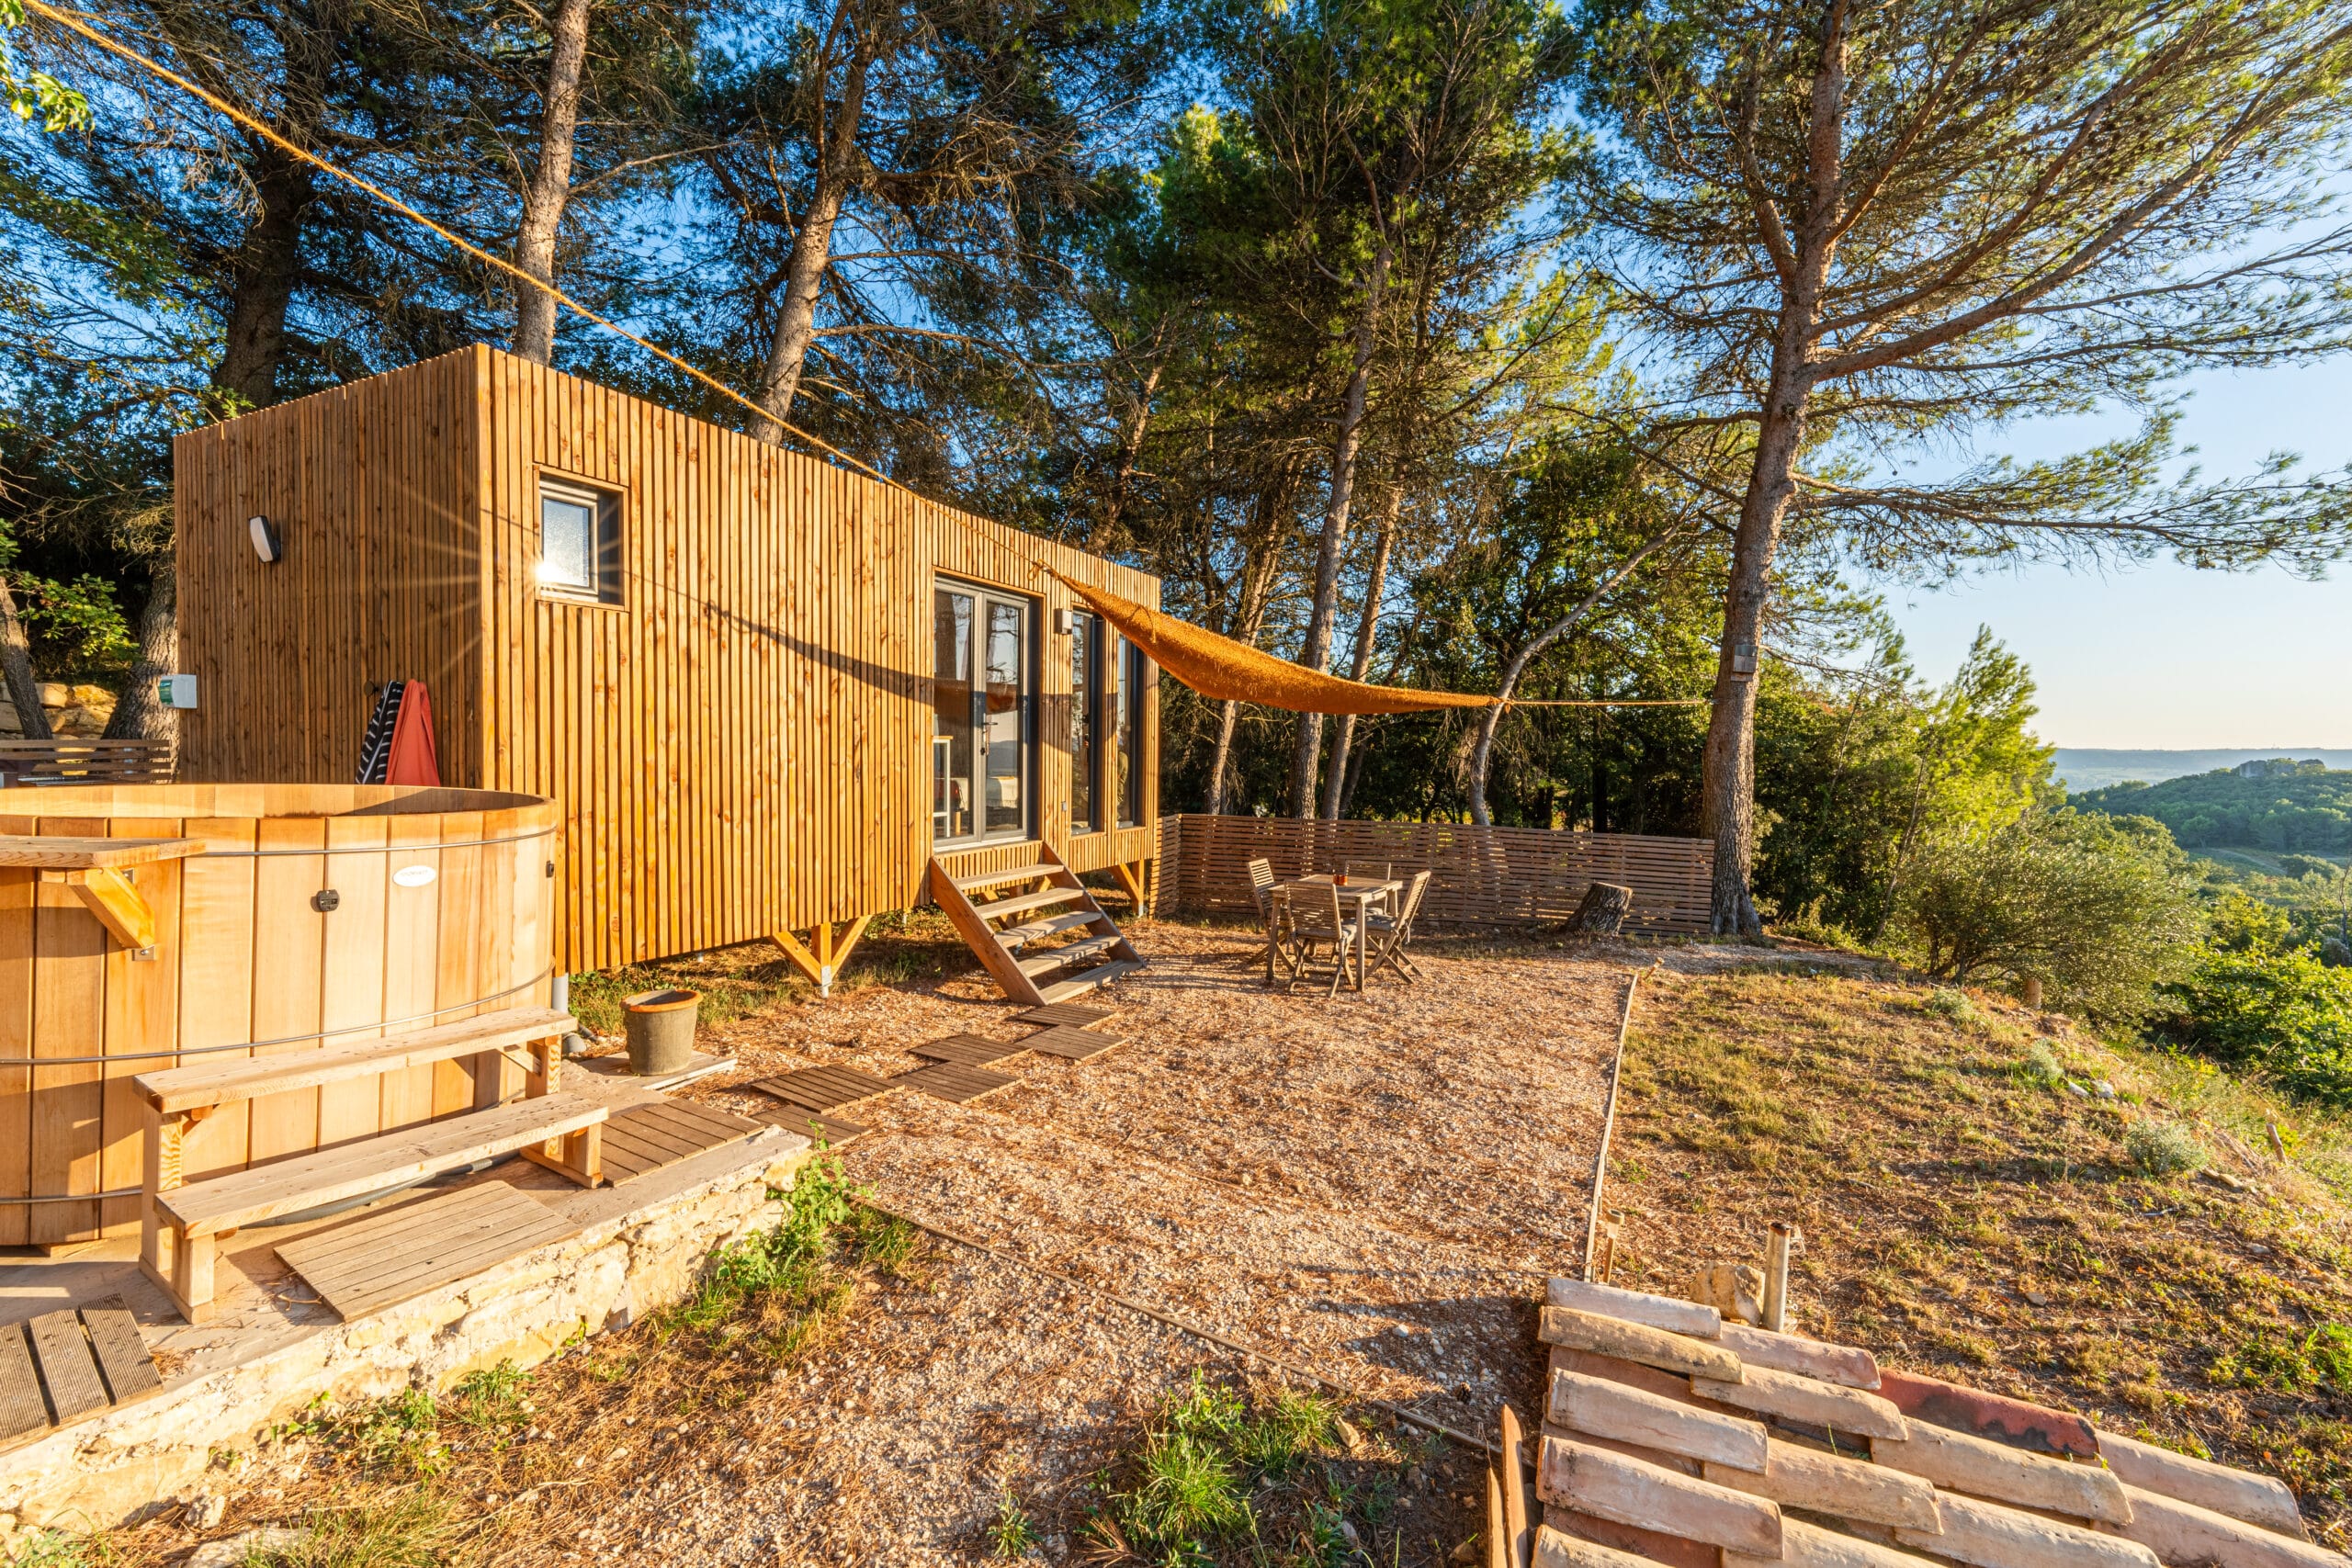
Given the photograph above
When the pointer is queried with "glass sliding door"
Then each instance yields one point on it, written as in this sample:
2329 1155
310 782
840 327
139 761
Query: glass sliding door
1123 727
1085 723
984 723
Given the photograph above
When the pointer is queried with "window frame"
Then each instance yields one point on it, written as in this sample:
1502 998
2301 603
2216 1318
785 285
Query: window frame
609 504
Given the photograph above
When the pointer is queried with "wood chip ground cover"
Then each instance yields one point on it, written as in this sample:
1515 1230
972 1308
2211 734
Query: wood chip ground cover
1966 1217
1371 1187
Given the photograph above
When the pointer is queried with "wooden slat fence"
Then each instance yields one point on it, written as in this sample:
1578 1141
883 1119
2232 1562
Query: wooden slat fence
86 761
1486 877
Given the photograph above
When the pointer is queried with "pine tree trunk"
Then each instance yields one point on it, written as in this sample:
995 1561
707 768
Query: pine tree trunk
1728 804
551 187
262 281
1317 654
17 666
138 715
812 243
1222 757
1335 785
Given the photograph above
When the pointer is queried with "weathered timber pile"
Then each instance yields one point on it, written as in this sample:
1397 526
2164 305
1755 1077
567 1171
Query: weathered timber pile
1671 1434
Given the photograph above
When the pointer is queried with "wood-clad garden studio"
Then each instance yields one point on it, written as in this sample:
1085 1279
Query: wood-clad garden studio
763 691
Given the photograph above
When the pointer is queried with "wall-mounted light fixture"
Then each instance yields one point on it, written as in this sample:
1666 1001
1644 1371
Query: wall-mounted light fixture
1063 623
267 543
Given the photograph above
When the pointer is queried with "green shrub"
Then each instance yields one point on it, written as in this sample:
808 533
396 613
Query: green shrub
2098 908
1204 1453
2042 1066
2163 1148
2284 1013
1946 1002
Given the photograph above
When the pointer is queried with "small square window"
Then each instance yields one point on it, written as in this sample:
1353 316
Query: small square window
580 542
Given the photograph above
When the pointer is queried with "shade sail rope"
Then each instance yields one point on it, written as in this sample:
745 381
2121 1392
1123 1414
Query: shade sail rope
1220 669
73 23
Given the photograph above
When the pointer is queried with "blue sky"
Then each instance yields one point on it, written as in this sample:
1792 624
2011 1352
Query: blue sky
2161 656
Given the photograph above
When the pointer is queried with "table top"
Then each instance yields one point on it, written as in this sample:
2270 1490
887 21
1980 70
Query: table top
1355 887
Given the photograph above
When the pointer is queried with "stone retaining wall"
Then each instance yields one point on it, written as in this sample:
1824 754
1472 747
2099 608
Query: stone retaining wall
118 1468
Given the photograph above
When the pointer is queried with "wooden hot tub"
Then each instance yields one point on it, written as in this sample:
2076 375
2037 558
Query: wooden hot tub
287 916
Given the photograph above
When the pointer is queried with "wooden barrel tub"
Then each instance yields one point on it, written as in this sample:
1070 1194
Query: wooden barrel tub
312 914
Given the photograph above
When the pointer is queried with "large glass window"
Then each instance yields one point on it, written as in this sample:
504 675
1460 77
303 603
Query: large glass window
983 726
1085 722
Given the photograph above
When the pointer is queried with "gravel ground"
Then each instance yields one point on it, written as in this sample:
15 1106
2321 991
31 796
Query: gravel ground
1369 1186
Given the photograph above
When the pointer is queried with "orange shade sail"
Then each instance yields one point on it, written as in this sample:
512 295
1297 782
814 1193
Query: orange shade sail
1219 668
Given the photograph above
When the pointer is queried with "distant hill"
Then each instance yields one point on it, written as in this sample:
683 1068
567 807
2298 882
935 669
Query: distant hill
2307 810
2080 769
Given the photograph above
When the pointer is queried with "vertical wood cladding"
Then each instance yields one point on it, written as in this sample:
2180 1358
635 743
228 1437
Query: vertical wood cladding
741 745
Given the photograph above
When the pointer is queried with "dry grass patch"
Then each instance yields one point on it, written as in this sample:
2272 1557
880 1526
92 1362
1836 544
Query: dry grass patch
1993 1197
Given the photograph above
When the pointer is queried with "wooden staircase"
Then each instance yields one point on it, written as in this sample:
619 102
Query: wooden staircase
1059 905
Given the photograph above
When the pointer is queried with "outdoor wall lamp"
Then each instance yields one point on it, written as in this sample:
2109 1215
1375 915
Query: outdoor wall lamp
267 543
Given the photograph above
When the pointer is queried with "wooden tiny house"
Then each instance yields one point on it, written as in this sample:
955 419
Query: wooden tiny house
763 691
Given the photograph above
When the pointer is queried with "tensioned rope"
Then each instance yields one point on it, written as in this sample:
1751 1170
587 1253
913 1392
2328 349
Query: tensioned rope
258 128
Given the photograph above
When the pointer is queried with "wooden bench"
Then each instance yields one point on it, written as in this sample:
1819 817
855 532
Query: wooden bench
182 1223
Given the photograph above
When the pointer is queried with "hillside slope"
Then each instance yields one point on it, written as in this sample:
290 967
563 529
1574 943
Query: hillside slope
1966 1216
2308 811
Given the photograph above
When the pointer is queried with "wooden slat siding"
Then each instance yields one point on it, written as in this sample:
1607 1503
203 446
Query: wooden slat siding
69 1020
742 746
16 892
142 1008
1485 877
411 963
216 990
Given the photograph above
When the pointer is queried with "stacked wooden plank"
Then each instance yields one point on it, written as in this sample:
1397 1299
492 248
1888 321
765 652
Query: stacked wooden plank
1672 1436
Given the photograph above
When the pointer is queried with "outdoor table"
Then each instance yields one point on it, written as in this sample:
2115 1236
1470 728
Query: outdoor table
1361 892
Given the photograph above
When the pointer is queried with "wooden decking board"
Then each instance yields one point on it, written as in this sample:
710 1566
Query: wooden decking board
1077 1044
122 1356
998 909
952 1080
401 1212
21 1410
824 1089
966 1049
390 1258
68 1371
809 1125
1071 1015
645 1138
182 1089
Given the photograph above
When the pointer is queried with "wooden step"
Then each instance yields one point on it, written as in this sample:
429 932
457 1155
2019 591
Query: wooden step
247 1197
998 879
1028 901
1062 957
249 1078
1078 984
1014 936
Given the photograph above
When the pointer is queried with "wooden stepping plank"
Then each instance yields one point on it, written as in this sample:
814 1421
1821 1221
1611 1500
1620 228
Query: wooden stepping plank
1080 983
21 1410
953 1080
1077 1044
422 1246
824 1089
67 1370
831 1132
967 1050
122 1355
644 1139
1073 1015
